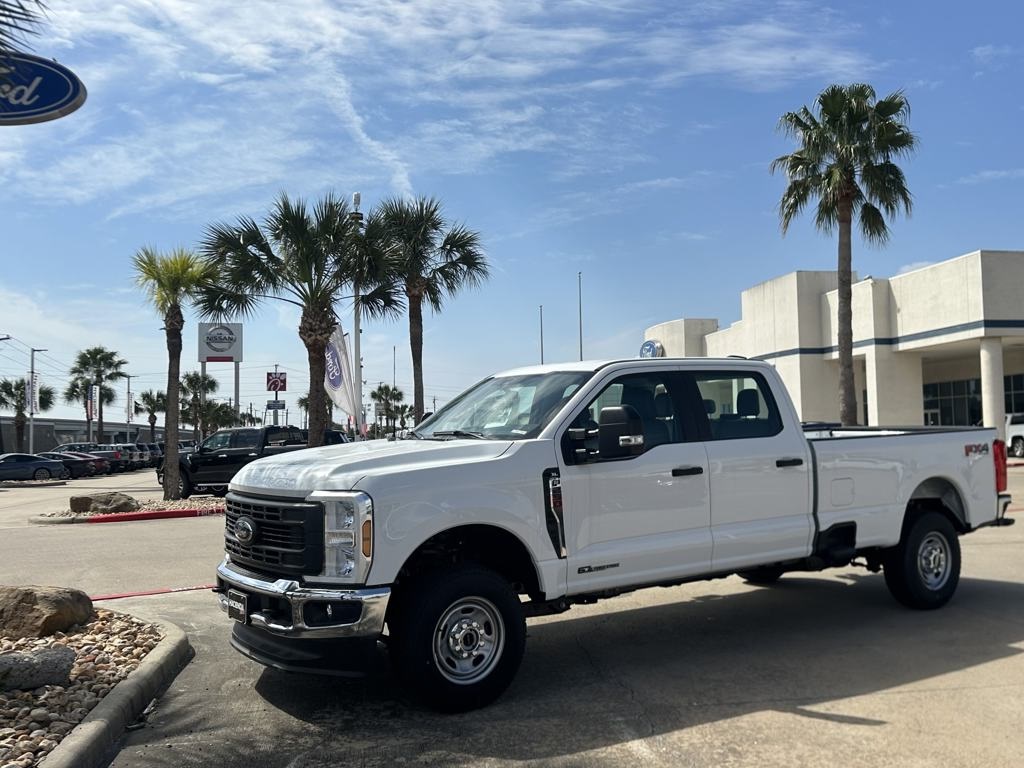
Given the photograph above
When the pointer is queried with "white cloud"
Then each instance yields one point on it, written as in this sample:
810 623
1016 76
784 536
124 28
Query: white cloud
912 266
983 177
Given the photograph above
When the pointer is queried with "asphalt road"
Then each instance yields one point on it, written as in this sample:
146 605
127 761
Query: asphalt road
819 670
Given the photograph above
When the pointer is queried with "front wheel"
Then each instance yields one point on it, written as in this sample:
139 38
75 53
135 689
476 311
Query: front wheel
1017 447
184 486
457 637
923 570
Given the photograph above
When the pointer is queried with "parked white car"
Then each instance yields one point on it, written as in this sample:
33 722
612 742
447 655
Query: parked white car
1015 434
548 486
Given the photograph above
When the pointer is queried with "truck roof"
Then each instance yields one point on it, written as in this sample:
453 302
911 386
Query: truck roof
596 365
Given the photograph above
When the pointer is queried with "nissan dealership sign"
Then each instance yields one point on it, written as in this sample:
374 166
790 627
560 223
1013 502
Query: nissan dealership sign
220 342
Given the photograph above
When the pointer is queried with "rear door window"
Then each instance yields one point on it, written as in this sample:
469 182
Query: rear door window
737 405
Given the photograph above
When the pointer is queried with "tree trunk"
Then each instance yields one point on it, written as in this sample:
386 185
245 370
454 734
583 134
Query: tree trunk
173 323
416 345
152 427
88 418
844 325
315 329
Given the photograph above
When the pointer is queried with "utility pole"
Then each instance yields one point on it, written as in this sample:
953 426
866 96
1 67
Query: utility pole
579 288
275 399
435 404
4 337
394 366
542 334
357 219
32 388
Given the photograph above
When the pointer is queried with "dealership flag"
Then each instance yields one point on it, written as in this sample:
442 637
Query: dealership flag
338 377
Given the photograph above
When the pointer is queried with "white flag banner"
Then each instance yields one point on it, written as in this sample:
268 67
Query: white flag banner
338 375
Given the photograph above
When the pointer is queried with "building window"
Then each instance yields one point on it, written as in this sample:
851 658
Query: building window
958 403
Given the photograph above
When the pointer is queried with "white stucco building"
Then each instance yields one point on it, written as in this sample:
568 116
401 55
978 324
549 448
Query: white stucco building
942 345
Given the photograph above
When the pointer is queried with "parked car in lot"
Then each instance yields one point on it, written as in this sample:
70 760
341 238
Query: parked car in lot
100 465
75 465
25 466
145 457
131 454
156 454
117 462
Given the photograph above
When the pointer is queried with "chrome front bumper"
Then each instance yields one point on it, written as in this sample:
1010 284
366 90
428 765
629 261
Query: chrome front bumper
373 604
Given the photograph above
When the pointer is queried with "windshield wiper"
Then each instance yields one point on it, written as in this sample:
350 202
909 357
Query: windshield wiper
412 434
458 433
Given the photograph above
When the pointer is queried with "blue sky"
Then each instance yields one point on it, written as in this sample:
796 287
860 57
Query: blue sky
626 140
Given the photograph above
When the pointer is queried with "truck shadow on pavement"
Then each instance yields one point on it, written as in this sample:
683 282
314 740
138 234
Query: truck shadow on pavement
616 674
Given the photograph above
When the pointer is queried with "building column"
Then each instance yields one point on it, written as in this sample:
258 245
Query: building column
895 387
993 399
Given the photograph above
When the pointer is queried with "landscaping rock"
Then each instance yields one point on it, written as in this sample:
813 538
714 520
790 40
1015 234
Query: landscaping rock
103 503
40 611
34 669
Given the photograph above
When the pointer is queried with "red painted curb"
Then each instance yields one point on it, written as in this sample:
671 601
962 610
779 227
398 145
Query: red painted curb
146 592
156 514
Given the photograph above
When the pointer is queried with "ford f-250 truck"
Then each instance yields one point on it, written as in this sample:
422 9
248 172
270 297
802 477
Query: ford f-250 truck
547 486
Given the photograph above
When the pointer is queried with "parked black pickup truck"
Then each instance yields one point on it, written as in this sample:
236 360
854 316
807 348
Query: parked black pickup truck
215 461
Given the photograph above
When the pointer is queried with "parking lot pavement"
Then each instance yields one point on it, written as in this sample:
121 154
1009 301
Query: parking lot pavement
822 669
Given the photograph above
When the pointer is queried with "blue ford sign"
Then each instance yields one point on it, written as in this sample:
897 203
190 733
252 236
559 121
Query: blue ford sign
34 90
652 348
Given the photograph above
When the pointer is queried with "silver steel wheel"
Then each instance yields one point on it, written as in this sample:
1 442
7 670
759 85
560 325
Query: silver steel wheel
934 561
468 640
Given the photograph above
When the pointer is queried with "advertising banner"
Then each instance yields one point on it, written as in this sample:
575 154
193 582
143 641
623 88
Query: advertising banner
338 375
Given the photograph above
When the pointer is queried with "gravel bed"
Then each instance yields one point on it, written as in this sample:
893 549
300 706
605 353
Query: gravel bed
106 650
150 505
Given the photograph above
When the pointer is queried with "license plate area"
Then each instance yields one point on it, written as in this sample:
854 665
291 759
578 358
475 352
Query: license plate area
238 606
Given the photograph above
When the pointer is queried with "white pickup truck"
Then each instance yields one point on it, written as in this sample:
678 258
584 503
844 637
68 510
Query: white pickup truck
547 486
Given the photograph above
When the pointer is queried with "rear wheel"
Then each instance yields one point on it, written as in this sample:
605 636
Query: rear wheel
766 574
1017 447
457 637
65 474
924 569
41 474
184 486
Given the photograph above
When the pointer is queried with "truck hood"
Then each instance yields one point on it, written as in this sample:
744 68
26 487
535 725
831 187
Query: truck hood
340 467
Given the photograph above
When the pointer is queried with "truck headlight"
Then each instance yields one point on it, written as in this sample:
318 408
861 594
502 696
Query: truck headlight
348 534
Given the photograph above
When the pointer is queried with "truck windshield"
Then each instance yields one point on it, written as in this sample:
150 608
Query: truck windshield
505 407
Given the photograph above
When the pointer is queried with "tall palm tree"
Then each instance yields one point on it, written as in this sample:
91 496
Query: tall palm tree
195 388
845 161
18 19
77 391
100 366
429 260
12 398
171 280
385 396
151 403
306 258
303 405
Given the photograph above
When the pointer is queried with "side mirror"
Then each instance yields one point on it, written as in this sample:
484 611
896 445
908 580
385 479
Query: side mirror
620 432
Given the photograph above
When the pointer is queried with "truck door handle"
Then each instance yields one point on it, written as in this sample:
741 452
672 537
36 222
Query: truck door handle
684 471
222 455
252 454
789 462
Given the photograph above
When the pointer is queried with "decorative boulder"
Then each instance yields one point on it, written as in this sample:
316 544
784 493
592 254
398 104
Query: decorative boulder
40 611
103 503
29 670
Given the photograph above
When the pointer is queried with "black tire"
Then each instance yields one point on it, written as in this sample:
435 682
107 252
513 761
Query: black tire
457 637
923 571
1017 447
184 486
41 474
65 474
765 575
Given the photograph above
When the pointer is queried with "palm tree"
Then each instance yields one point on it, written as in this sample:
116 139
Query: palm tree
846 162
304 258
403 412
195 388
303 405
99 366
77 391
151 403
12 398
386 396
171 280
428 261
17 19
214 416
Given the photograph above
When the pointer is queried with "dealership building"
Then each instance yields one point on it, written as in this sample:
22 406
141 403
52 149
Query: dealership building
941 345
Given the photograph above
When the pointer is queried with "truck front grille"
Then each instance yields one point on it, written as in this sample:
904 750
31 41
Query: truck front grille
287 536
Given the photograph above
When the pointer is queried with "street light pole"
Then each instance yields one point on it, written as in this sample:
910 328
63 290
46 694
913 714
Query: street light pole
129 407
357 219
579 288
542 334
32 398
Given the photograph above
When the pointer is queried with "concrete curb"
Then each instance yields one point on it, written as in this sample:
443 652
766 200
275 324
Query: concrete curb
46 484
125 517
92 742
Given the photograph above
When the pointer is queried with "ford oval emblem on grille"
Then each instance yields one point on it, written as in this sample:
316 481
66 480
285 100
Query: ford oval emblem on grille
245 530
